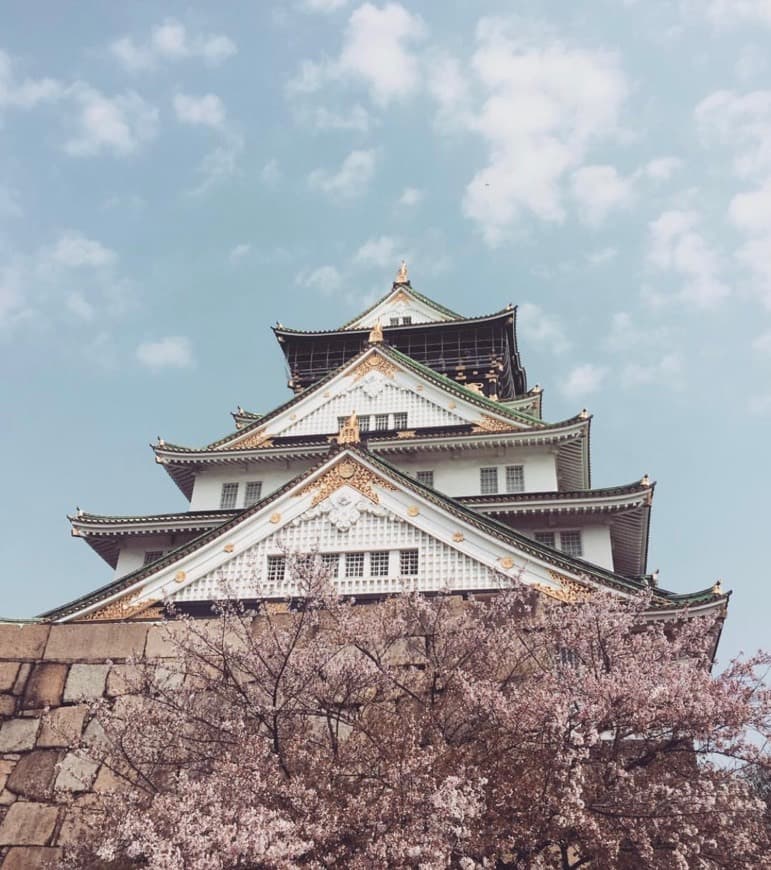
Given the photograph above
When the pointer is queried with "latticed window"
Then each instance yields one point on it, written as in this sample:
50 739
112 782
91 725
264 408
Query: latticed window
364 423
394 321
341 421
400 420
378 563
425 477
408 562
570 543
488 480
330 562
276 569
229 496
354 564
152 556
515 478
545 538
253 492
406 320
381 422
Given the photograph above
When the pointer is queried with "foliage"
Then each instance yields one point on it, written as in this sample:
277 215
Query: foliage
432 732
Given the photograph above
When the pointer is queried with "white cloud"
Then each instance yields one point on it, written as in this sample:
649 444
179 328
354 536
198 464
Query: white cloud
174 351
598 190
377 51
379 252
238 252
411 196
742 123
604 255
350 181
27 93
665 370
12 301
751 63
678 249
120 124
326 279
171 41
583 380
750 212
734 12
80 306
270 174
74 250
535 326
324 5
662 168
762 343
207 110
546 103
357 118
220 164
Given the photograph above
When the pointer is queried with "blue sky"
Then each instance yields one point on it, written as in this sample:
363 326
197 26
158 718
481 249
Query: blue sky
175 180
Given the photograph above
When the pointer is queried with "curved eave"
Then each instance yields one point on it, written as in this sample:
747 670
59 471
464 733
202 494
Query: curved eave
405 287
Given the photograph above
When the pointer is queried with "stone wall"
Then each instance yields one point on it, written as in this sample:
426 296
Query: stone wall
49 674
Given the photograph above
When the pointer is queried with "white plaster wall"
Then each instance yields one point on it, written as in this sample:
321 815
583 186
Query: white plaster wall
207 489
595 539
458 473
132 552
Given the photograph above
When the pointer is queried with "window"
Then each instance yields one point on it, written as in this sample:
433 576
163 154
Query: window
545 538
152 556
425 477
354 564
341 421
229 496
515 478
400 420
568 658
570 543
406 320
408 562
394 321
381 422
364 423
253 492
378 563
488 481
329 562
276 569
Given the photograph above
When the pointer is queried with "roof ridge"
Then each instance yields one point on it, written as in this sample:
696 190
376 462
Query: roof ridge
407 288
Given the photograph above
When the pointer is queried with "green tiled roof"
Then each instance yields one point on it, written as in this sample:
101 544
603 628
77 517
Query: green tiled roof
453 315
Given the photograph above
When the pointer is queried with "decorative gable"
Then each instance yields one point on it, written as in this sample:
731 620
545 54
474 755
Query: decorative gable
400 307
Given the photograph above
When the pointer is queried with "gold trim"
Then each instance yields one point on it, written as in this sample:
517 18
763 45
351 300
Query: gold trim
125 608
486 423
401 296
275 518
405 433
458 537
374 363
259 438
569 591
346 473
412 511
228 548
506 562
180 577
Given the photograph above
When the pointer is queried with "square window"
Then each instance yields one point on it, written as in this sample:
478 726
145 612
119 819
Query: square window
229 496
515 478
253 492
425 477
276 569
341 421
406 320
394 321
488 480
354 564
330 562
570 543
364 423
152 556
378 563
408 562
381 422
400 420
545 538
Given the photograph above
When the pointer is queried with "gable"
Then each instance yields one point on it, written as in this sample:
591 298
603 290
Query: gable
375 383
348 505
398 305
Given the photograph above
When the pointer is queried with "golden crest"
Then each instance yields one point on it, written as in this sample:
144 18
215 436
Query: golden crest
125 608
412 511
490 424
374 363
275 518
458 537
346 473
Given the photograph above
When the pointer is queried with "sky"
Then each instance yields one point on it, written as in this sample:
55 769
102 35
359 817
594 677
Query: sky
176 178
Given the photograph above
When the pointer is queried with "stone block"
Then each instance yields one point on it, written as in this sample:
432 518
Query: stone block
21 678
33 776
44 686
22 641
32 858
8 672
122 680
85 682
6 797
6 766
28 824
7 705
161 639
107 780
18 735
95 641
62 726
76 772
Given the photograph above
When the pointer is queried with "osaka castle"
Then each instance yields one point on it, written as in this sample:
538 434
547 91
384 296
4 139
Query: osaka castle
411 455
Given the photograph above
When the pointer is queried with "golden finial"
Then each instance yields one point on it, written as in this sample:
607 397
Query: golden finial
717 589
349 431
376 334
401 275
646 481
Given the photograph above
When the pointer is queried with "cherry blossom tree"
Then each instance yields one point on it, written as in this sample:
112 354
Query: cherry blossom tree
506 731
